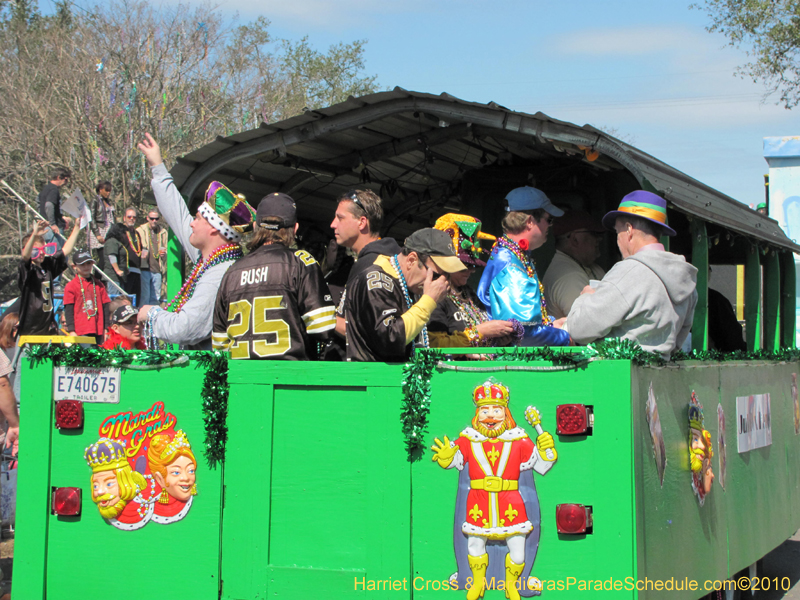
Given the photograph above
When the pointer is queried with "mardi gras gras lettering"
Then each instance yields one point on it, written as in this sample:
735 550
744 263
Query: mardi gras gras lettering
137 428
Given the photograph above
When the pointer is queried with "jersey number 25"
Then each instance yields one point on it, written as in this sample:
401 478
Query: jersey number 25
276 331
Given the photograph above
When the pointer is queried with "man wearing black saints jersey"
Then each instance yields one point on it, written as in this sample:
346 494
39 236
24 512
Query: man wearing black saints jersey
382 318
271 300
41 264
357 225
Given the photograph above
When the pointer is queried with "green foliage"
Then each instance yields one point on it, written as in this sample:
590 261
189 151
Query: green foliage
770 31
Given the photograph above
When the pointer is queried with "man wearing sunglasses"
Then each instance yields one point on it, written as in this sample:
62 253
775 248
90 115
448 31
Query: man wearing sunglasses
50 204
41 264
578 236
357 225
510 286
154 257
382 317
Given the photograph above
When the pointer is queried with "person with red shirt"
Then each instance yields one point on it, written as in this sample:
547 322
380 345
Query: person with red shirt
125 332
86 300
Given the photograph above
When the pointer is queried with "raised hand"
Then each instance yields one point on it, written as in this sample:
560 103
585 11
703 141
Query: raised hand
151 151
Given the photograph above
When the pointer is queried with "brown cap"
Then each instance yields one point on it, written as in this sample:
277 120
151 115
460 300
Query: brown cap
576 220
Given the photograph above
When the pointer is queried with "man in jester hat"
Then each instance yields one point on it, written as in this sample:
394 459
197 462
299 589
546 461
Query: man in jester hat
496 499
211 240
460 320
510 287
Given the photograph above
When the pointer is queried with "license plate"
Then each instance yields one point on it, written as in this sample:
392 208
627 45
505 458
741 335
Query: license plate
86 385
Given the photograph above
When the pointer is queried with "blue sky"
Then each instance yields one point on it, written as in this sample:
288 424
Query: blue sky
647 71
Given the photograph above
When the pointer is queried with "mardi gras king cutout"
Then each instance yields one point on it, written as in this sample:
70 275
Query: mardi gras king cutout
497 509
700 451
142 469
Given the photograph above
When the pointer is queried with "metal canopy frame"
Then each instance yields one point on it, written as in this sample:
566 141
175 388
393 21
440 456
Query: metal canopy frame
396 128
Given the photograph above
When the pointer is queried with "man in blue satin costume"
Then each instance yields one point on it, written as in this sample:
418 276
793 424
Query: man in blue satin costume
510 286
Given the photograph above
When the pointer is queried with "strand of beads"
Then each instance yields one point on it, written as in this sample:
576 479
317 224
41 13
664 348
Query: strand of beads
404 286
513 247
93 314
150 339
219 256
474 316
133 246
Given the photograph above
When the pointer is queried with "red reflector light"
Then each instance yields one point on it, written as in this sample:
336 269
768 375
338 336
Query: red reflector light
573 419
67 501
574 519
69 414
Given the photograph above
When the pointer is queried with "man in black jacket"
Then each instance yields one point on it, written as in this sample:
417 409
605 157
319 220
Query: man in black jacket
357 225
50 204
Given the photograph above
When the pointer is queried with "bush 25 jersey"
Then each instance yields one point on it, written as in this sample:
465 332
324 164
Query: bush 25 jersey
268 304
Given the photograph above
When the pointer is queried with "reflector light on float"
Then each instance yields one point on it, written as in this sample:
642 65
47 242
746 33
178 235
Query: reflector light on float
69 414
66 501
574 419
574 519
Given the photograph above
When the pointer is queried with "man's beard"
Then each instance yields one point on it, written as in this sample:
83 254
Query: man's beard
113 511
490 433
697 458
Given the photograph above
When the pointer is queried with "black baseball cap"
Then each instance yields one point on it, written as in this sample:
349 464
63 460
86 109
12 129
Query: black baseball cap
123 314
438 245
82 256
277 206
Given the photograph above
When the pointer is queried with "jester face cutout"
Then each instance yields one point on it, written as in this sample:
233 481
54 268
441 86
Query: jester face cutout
700 451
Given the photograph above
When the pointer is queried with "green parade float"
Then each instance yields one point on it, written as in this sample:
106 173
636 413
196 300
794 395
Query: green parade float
186 474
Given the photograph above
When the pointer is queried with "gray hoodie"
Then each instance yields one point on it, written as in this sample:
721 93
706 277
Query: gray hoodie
648 297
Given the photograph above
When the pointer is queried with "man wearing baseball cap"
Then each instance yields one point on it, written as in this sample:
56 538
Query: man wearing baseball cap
383 319
273 299
510 286
649 296
578 236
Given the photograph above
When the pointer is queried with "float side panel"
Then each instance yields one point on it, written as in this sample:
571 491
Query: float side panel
33 482
162 554
681 539
594 470
761 489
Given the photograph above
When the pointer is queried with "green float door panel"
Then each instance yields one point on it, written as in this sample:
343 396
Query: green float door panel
314 505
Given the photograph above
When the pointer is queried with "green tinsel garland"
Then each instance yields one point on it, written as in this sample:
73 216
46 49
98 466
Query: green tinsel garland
215 382
417 373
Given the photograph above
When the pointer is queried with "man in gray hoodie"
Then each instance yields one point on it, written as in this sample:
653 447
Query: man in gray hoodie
649 296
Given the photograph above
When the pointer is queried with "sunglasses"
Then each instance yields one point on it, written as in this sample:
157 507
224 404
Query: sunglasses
152 218
353 197
46 250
